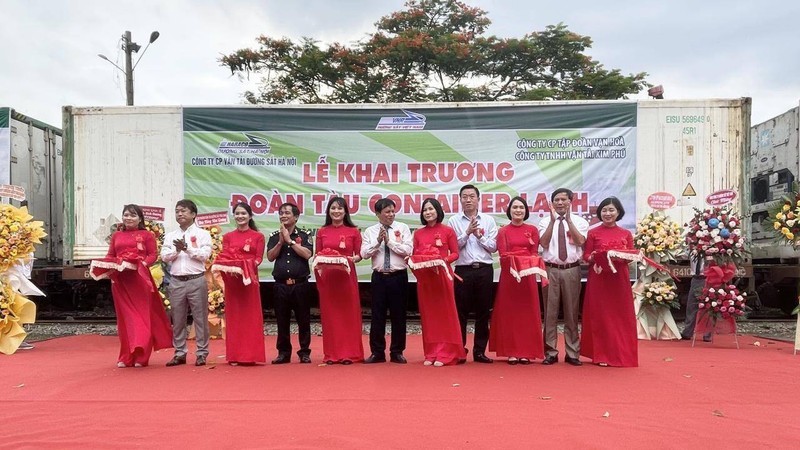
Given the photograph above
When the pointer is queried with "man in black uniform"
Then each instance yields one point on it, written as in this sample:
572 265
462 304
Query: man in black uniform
290 249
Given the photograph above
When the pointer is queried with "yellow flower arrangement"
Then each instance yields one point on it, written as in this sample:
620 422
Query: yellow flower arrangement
662 294
659 237
157 228
784 217
19 233
216 302
165 300
216 244
15 310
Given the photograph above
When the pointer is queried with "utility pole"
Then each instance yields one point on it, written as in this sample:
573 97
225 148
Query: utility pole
129 48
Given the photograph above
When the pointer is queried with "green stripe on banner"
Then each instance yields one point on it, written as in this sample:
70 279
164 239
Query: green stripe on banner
4 117
410 143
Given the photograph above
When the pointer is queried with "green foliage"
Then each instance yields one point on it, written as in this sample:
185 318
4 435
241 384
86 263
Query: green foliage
433 50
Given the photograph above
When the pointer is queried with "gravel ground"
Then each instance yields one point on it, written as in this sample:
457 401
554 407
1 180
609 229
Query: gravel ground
780 330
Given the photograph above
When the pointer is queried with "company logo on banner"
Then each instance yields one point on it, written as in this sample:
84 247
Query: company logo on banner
318 153
253 144
411 121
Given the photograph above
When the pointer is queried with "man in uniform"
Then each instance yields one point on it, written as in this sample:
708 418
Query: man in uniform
290 248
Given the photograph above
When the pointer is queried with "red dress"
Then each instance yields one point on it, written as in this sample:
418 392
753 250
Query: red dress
441 331
609 322
244 318
339 301
517 320
142 323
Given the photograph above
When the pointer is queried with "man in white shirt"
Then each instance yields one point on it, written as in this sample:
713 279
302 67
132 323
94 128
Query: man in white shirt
388 243
186 250
477 240
562 236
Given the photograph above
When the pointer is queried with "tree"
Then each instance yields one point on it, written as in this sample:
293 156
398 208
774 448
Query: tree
433 50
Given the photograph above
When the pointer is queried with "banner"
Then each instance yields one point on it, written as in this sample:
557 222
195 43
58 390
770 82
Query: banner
268 156
5 145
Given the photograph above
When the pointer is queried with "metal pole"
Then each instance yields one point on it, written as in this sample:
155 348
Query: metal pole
128 68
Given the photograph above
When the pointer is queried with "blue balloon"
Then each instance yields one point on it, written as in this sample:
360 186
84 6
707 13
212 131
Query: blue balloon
724 233
713 222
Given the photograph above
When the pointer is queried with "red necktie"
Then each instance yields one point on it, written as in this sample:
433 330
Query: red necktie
562 240
386 255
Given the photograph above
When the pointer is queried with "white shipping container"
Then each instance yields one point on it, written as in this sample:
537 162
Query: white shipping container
692 149
32 151
115 156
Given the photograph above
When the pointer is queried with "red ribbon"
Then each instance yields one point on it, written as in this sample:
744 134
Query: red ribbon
716 275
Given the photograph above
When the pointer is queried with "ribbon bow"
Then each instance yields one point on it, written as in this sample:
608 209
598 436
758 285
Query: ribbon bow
716 275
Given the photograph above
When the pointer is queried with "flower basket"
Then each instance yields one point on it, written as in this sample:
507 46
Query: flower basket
715 234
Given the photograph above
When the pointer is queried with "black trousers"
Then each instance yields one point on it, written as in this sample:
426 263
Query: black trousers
288 298
475 294
388 292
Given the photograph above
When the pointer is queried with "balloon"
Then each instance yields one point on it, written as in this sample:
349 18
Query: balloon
724 233
713 222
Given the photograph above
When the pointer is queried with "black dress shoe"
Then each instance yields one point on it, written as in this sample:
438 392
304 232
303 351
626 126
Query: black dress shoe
282 359
398 358
347 362
176 361
573 361
200 361
550 359
373 358
481 358
305 359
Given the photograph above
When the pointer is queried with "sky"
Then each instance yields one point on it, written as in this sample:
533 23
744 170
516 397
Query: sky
696 50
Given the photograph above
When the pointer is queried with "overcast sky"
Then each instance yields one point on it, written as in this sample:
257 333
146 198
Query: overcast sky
695 49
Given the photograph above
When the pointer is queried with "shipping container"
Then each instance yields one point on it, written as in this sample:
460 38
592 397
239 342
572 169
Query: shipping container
31 157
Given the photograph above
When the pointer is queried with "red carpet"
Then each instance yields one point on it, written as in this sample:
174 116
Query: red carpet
67 393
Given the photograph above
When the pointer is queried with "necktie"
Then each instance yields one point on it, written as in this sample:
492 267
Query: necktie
386 259
698 267
562 240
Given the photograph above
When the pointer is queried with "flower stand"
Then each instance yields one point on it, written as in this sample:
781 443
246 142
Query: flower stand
655 323
706 323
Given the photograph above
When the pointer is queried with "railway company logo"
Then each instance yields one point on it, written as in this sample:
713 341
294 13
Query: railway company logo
411 121
253 145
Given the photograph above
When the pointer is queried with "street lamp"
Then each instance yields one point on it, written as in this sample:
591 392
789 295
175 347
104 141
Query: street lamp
130 48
